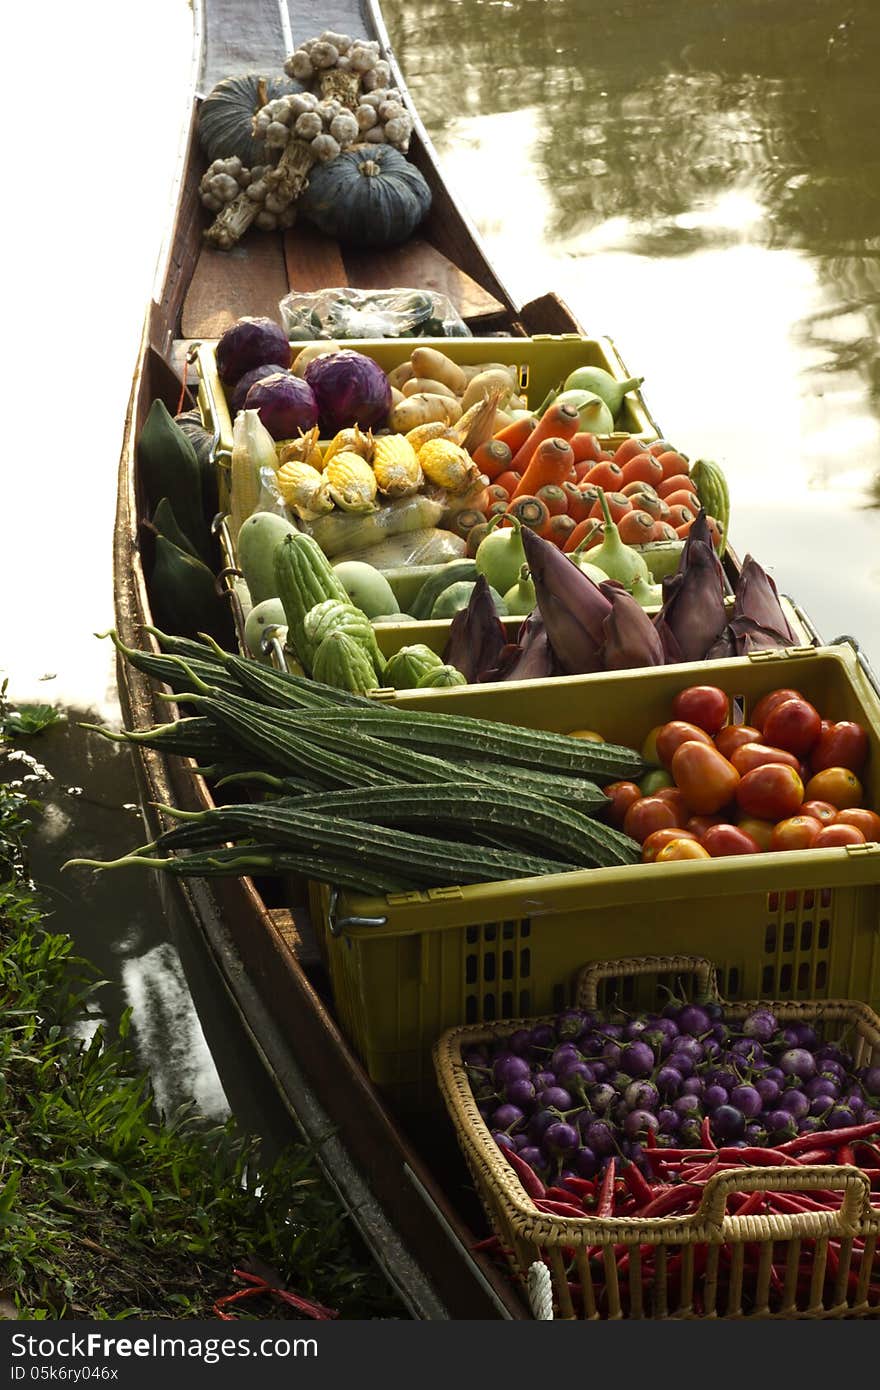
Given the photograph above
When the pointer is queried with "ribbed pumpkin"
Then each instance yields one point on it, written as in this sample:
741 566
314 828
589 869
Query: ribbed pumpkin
226 113
369 195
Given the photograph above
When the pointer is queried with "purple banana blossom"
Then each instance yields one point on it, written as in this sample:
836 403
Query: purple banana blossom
758 621
631 638
476 636
572 607
530 657
693 615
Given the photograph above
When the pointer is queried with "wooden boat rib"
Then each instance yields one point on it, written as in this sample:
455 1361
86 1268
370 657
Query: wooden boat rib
261 955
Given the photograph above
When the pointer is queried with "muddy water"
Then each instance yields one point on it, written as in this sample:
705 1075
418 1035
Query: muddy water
701 182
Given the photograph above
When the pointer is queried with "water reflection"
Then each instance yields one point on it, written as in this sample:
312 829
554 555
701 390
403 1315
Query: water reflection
701 181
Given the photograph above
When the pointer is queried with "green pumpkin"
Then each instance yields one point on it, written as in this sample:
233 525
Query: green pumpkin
369 195
226 114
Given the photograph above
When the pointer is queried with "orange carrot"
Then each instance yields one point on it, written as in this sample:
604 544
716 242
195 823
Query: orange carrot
580 499
529 511
494 493
559 422
644 468
605 475
628 450
508 481
492 458
585 447
583 528
550 463
582 469
664 532
637 528
618 505
554 498
515 435
682 498
558 529
676 482
673 462
680 516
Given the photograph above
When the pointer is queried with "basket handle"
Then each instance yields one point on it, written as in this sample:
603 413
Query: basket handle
851 1181
597 970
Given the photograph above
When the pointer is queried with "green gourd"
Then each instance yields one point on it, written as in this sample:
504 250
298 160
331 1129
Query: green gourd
385 618
648 595
334 616
453 572
406 667
168 468
166 524
342 662
257 541
500 555
227 112
603 384
521 599
269 613
458 596
367 587
618 560
370 195
183 593
441 678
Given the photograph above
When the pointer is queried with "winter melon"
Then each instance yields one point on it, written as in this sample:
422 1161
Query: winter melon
367 588
257 541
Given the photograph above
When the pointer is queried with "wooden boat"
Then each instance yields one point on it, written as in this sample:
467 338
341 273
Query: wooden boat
400 1201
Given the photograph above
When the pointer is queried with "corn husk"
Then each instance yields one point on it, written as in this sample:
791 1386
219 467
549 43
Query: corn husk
253 448
304 490
396 466
350 441
305 449
447 465
351 483
477 425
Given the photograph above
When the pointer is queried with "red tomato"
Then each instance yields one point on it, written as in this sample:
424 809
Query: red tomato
673 797
681 849
733 736
798 832
773 792
866 821
700 824
841 745
658 838
622 795
822 811
722 840
793 724
752 755
769 702
648 814
833 835
760 830
706 780
837 785
703 705
672 735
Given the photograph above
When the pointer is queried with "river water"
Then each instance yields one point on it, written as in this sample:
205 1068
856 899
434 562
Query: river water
701 182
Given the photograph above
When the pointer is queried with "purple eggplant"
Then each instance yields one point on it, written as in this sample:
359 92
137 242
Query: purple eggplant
630 637
476 636
693 615
572 607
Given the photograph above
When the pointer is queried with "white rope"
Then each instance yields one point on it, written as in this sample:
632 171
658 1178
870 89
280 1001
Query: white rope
540 1292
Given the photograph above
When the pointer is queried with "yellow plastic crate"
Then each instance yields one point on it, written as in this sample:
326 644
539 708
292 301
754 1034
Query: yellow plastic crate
802 925
542 362
527 1234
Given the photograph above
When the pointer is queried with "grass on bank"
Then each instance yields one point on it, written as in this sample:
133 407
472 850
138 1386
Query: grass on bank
105 1212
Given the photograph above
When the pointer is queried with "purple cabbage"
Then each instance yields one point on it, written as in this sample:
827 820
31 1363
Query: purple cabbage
250 343
350 389
285 404
238 394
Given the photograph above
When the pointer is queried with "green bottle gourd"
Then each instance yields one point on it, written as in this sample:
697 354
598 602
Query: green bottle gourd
648 595
500 555
618 560
584 559
594 417
603 384
521 598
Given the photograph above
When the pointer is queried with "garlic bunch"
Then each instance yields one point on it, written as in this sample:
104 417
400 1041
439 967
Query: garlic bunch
383 119
339 66
240 197
300 130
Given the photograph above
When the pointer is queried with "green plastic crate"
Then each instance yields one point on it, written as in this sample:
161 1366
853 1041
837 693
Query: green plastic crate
802 925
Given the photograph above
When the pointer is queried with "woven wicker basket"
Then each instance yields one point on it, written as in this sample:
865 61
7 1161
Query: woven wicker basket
697 1256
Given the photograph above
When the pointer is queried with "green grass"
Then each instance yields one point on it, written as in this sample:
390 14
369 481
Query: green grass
106 1212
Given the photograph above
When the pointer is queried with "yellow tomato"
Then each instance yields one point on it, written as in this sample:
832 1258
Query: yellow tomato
589 734
649 747
681 849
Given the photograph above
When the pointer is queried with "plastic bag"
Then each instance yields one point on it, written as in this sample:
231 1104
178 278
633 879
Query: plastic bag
270 497
427 546
340 531
345 313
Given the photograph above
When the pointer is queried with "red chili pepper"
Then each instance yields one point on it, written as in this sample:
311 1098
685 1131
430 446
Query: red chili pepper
762 1158
651 1139
831 1137
491 1243
751 1204
673 1199
584 1187
706 1134
558 1194
527 1176
605 1205
638 1186
845 1155
559 1208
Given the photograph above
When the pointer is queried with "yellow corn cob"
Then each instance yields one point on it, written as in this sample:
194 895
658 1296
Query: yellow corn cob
397 469
350 441
351 483
448 465
302 450
304 490
422 433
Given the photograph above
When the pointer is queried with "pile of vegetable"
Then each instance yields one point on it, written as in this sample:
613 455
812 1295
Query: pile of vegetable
331 142
365 796
632 1117
788 780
